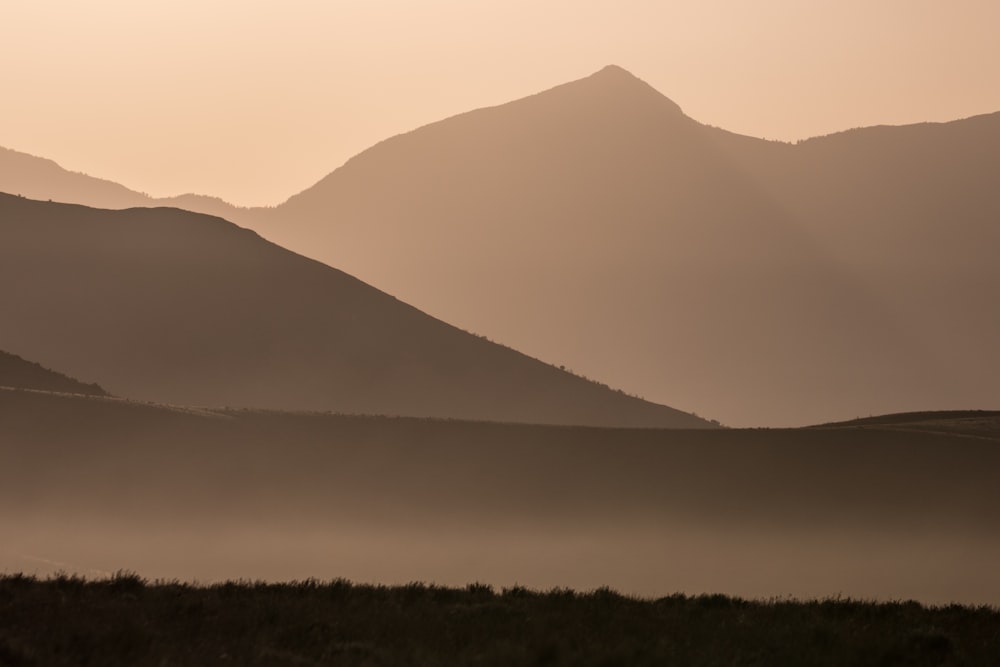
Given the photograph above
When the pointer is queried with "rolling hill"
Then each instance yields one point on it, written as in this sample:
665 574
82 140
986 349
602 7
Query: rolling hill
166 305
101 484
22 374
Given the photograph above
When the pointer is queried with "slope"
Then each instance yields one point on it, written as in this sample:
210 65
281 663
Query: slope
177 307
596 225
18 372
39 178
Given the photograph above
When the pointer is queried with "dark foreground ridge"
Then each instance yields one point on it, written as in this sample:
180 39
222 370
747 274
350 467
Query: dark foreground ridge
24 374
982 424
164 305
921 417
124 620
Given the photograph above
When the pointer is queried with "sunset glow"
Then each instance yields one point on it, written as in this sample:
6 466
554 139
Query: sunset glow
255 101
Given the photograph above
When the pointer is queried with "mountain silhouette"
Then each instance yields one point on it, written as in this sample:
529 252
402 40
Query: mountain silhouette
22 374
176 307
39 178
596 225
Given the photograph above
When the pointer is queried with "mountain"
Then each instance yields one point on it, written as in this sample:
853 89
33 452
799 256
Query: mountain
596 225
39 178
176 307
107 484
23 374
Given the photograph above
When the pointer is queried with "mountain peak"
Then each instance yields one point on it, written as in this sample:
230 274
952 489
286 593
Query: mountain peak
618 81
614 70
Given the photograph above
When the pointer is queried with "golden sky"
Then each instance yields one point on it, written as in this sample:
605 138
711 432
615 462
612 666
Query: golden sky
254 101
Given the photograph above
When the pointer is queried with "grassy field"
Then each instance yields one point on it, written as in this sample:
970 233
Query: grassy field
124 620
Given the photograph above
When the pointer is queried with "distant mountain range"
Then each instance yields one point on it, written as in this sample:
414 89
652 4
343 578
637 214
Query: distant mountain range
166 305
597 226
38 178
23 374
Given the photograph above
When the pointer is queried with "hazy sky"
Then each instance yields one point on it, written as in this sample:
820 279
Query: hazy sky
254 101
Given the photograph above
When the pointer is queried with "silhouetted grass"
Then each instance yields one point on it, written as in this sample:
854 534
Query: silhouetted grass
16 371
126 621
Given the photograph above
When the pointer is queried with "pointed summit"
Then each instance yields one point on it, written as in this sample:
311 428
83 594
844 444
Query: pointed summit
617 81
615 71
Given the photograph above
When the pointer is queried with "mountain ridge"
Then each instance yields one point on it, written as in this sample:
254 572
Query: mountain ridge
185 308
21 172
20 373
825 239
765 282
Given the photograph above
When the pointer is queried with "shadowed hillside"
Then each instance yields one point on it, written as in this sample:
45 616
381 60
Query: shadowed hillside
95 484
176 307
17 372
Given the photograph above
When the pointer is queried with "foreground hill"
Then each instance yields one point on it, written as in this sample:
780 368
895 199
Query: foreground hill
123 621
767 283
93 485
171 306
970 423
23 374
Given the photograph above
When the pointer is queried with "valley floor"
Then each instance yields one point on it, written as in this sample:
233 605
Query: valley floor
902 507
